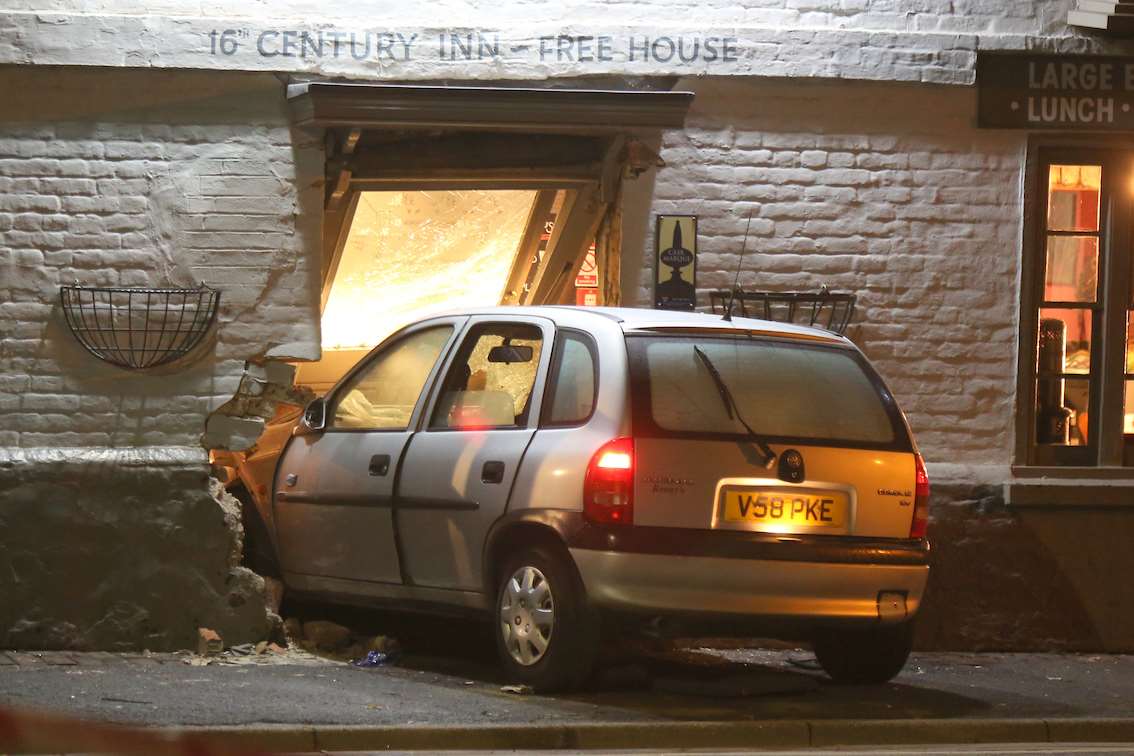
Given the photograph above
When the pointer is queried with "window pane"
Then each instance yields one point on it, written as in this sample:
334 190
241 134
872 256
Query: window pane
1064 341
1128 417
1072 269
383 394
574 390
490 382
1130 341
1061 411
423 251
781 390
1073 197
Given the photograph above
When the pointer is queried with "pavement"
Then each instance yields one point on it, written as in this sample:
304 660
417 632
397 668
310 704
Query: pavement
447 694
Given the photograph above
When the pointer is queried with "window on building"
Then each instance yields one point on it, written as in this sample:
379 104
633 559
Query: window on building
1080 327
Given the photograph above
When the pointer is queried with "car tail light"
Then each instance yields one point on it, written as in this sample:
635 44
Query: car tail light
920 523
608 488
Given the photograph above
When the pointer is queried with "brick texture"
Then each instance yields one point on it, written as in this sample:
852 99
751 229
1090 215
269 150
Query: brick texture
148 179
889 192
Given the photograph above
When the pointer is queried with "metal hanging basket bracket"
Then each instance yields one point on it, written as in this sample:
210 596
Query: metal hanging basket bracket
139 328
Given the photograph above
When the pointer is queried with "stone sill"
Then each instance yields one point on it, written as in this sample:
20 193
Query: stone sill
1071 487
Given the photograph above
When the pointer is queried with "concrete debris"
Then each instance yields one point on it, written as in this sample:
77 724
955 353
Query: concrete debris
271 655
209 642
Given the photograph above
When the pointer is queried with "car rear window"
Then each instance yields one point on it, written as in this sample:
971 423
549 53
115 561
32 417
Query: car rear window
784 390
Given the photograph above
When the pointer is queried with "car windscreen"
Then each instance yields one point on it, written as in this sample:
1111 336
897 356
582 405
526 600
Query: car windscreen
786 391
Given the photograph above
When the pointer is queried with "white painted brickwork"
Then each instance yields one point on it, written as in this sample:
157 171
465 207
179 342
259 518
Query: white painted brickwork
101 185
887 191
923 40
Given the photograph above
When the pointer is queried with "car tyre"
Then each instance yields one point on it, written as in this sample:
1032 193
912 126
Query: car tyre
546 634
864 656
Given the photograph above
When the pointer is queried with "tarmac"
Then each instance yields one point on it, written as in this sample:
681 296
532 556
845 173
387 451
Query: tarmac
449 696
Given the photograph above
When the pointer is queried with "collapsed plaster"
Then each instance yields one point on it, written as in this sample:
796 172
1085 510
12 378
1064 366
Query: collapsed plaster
237 424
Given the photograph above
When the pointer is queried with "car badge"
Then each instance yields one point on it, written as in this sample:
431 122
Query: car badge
791 466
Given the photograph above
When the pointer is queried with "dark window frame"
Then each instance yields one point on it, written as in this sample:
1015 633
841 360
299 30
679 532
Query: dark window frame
1107 447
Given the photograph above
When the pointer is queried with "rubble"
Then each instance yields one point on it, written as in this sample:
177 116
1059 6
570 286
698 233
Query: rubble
209 642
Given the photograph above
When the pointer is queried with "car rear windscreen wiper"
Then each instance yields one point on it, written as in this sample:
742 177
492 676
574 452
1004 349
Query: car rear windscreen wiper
734 410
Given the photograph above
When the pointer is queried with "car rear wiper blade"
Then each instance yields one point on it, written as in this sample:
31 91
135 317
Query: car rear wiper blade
734 410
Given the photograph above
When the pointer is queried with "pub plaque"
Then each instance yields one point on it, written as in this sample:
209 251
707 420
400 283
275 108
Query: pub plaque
1063 92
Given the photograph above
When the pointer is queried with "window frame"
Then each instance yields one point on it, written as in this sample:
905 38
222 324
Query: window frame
453 351
332 396
561 336
1106 447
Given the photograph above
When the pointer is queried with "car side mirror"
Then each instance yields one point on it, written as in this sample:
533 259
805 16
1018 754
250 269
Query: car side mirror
314 417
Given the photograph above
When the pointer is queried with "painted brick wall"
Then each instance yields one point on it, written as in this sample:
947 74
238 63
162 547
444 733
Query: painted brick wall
148 179
884 190
967 16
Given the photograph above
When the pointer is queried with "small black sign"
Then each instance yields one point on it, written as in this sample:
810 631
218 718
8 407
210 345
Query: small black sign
675 270
1063 92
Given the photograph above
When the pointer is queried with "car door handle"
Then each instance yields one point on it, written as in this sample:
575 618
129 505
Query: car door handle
380 464
492 472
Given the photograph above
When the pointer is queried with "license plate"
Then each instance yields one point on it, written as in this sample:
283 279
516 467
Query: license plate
786 511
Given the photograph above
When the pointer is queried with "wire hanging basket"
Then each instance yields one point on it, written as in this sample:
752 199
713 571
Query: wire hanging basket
820 309
139 328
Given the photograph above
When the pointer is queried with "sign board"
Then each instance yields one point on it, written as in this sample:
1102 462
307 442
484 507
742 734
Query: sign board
588 273
1061 92
675 264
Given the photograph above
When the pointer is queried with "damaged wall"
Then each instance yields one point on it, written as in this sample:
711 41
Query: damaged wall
137 178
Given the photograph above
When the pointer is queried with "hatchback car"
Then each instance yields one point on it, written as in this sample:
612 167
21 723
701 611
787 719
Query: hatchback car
559 468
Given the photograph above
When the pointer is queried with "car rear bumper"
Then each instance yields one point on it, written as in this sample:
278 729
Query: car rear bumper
751 575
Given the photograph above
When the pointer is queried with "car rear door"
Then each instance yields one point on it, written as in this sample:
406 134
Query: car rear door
844 463
459 469
335 488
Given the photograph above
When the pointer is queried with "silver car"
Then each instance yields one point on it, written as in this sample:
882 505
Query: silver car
567 470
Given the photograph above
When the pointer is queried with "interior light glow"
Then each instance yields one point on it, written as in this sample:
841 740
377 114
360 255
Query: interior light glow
409 254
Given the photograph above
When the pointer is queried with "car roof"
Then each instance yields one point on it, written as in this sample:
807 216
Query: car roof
640 319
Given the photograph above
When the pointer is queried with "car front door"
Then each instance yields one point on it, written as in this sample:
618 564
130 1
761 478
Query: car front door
335 487
458 470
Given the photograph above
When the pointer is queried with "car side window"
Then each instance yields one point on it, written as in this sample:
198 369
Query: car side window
573 381
382 395
489 384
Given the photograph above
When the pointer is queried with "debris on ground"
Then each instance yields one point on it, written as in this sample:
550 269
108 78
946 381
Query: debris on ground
208 642
520 690
374 659
272 654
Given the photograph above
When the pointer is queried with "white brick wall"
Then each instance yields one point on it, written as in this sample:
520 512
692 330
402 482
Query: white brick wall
924 40
148 179
884 190
966 16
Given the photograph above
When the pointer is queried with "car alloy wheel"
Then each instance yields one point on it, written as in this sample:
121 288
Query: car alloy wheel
527 615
